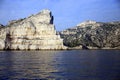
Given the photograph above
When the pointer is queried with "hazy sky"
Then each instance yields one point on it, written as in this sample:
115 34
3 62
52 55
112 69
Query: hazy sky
67 13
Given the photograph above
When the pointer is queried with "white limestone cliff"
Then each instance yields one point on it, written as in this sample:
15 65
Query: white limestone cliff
34 32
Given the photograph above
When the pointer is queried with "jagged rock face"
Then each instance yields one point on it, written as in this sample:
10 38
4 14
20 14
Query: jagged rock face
93 35
34 32
2 36
1 26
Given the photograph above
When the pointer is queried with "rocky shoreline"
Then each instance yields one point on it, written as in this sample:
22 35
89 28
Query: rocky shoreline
93 35
37 32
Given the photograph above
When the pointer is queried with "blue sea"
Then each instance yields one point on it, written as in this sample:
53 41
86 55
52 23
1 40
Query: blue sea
60 65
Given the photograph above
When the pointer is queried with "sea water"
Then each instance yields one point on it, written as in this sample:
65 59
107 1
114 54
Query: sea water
60 65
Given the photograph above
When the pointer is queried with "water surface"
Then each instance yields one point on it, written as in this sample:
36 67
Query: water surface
60 65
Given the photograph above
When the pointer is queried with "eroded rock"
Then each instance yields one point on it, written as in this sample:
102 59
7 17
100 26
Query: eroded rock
34 32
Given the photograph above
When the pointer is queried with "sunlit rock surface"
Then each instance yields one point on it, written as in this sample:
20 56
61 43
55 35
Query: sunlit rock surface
34 32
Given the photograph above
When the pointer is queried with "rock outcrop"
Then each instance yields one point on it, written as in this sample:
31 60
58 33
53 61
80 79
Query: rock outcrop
35 32
93 35
1 26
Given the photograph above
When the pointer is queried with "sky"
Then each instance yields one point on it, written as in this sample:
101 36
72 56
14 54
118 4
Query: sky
67 13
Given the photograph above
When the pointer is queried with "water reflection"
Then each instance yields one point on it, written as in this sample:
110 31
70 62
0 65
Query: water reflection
29 65
60 65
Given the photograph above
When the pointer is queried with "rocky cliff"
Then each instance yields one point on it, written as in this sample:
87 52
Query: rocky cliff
1 26
93 35
34 32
